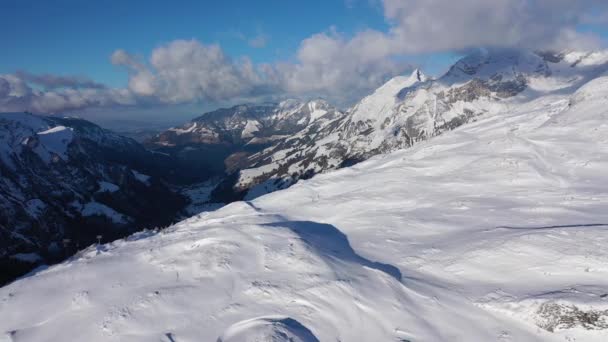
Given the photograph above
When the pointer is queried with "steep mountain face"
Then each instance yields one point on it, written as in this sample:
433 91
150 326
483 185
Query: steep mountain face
246 124
63 178
323 146
407 110
219 143
494 231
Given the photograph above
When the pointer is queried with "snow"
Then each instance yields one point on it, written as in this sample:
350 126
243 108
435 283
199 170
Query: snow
250 129
54 130
107 187
54 142
98 209
583 59
141 177
317 109
266 139
379 105
274 328
287 108
248 174
190 127
495 231
20 128
200 197
316 114
486 64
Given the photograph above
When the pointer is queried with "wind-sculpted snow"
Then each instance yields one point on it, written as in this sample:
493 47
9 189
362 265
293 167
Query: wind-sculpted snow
494 231
329 242
279 329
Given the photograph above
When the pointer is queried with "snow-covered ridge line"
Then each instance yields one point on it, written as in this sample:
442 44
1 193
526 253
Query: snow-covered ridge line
410 109
497 230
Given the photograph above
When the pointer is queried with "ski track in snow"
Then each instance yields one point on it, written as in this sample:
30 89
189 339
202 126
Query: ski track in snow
469 236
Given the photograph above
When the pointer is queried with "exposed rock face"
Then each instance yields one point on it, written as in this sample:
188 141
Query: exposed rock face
407 110
246 124
221 142
554 316
69 179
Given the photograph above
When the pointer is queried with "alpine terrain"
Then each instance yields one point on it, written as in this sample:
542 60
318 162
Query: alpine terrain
270 147
471 207
221 143
64 181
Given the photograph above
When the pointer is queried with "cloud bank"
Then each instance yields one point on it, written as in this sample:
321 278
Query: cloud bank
17 94
440 25
328 64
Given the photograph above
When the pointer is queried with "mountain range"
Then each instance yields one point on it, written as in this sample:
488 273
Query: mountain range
471 207
269 147
65 180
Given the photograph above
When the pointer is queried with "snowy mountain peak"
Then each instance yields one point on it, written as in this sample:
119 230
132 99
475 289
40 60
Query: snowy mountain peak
418 76
318 103
292 106
409 109
494 64
289 104
382 99
395 84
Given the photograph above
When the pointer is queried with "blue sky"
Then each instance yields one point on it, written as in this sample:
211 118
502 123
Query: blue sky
359 43
74 37
78 37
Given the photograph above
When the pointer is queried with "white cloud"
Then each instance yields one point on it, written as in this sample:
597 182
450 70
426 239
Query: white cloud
49 81
141 80
328 64
343 69
442 25
187 70
17 95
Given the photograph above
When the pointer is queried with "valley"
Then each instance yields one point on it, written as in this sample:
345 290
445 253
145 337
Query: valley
475 199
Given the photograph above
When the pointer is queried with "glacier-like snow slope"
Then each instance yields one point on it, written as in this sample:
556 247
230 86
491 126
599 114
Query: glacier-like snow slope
495 231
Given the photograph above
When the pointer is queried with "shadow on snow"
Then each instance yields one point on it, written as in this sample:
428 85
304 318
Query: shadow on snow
327 240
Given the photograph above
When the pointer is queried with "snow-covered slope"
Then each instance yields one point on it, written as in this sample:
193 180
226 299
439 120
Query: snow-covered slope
407 110
495 231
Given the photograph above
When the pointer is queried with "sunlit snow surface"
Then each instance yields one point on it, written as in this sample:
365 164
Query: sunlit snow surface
496 231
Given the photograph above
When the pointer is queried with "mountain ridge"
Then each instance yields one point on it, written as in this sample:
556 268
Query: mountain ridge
398 115
498 225
246 151
66 178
